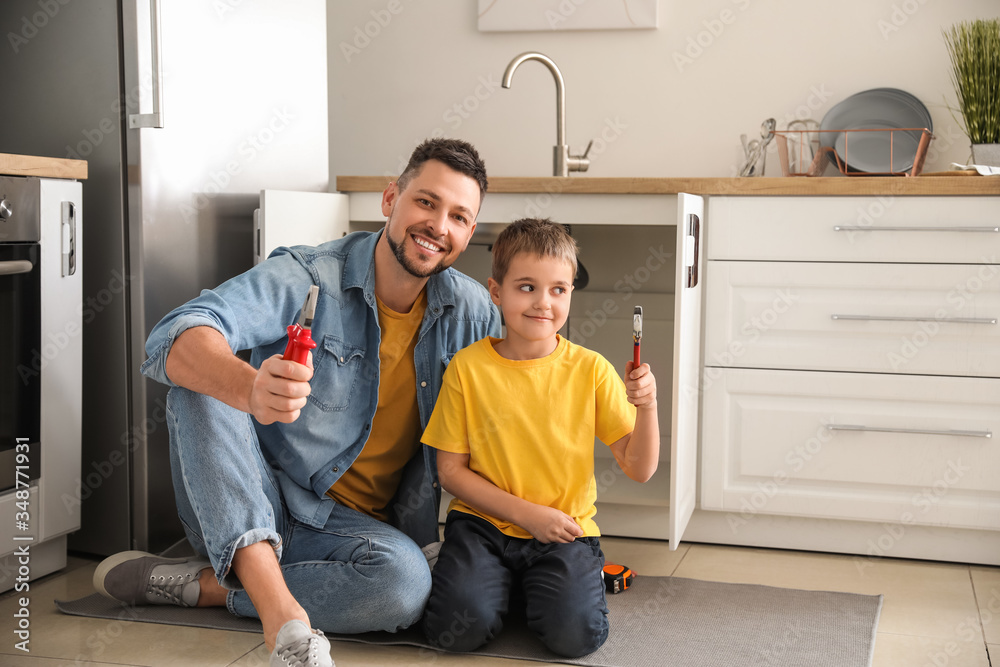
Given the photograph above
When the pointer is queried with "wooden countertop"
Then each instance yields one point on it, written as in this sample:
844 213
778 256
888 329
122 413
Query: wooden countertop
44 167
854 185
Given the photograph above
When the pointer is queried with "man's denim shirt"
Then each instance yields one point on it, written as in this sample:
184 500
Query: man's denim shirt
253 310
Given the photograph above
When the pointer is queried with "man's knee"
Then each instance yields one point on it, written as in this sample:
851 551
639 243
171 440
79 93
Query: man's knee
185 404
193 419
407 586
178 398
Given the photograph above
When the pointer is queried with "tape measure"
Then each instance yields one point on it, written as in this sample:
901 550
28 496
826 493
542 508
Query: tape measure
617 578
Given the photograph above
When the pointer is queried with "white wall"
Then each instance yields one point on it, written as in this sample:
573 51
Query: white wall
429 71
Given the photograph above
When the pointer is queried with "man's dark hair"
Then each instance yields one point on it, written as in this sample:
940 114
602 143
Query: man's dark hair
455 153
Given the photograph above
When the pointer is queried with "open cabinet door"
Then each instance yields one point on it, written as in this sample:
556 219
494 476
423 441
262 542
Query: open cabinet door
287 218
687 356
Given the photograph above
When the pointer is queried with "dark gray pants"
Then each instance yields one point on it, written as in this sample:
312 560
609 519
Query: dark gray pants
478 567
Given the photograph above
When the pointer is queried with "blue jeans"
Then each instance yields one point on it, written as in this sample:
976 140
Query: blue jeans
356 574
476 570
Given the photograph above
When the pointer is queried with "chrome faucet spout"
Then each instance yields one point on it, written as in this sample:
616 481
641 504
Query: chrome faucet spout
562 161
508 76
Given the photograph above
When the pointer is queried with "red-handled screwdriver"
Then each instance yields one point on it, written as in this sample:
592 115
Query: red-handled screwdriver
636 333
300 340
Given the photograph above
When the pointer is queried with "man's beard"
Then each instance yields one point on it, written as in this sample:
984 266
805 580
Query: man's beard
407 264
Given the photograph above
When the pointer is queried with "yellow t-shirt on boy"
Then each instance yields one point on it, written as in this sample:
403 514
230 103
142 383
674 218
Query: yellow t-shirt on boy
529 425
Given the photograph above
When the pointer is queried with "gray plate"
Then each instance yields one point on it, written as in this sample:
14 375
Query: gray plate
879 108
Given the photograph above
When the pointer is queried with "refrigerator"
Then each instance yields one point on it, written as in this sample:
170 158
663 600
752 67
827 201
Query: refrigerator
185 110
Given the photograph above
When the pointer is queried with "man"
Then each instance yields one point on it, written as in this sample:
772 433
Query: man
312 514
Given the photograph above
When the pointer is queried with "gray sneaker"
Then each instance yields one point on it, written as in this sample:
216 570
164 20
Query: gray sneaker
299 646
139 578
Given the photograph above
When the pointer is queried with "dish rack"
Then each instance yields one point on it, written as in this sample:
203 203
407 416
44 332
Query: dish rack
804 142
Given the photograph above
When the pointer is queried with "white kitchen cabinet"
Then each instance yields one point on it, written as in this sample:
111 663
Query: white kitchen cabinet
911 273
851 365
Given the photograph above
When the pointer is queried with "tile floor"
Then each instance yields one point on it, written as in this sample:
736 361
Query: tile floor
933 614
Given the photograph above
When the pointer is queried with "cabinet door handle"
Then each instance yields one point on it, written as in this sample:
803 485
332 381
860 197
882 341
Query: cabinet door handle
691 252
155 119
68 238
922 431
889 318
869 228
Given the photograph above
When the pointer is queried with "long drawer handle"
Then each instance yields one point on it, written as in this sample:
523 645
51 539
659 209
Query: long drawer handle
853 427
869 228
889 318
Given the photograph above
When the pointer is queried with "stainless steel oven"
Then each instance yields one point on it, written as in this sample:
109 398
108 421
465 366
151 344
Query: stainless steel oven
20 313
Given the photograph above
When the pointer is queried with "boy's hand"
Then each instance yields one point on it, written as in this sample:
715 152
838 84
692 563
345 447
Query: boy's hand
547 524
640 385
280 390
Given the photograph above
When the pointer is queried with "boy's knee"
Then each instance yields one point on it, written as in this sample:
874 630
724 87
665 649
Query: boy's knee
460 631
576 643
574 635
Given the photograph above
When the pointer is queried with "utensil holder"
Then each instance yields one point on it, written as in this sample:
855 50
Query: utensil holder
818 163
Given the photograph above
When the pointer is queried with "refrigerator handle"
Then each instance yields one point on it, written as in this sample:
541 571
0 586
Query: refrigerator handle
154 119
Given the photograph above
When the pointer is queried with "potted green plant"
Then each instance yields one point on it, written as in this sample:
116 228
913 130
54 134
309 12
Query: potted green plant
974 49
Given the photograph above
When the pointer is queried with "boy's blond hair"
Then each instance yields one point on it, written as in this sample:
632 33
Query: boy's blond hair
542 238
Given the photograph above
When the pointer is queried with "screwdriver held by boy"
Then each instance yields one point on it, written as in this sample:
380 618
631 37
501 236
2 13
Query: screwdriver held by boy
514 426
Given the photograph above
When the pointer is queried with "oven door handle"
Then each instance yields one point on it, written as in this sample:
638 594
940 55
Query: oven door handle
15 266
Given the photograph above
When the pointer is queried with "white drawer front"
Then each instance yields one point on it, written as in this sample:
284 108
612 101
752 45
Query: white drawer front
872 229
767 447
11 538
831 316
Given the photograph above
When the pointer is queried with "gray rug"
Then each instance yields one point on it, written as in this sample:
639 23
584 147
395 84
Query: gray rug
658 622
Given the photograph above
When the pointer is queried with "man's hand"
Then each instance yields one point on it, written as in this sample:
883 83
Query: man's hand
547 524
280 389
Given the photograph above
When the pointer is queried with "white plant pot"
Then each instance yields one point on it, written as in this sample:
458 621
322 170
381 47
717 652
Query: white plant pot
986 154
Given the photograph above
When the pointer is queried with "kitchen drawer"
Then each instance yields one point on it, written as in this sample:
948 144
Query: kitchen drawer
10 536
833 316
855 229
768 447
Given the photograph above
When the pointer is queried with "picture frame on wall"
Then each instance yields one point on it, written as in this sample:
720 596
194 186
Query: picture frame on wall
548 15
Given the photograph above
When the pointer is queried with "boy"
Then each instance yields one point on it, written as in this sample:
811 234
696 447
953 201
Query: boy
514 427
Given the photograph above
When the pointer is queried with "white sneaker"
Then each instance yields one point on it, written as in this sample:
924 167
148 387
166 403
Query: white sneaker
297 645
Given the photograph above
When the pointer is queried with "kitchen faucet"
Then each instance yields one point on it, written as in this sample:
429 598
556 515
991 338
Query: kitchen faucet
562 161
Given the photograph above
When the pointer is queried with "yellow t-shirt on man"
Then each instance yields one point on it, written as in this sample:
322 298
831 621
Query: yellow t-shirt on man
529 425
371 482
